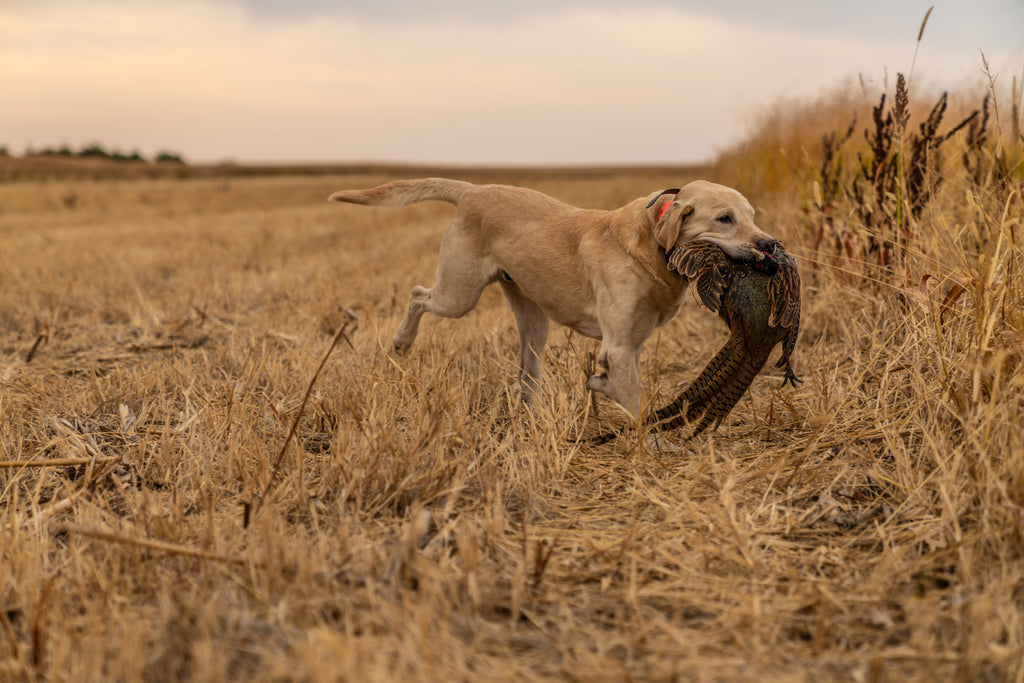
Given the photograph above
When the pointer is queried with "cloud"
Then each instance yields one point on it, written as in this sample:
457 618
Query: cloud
967 24
578 85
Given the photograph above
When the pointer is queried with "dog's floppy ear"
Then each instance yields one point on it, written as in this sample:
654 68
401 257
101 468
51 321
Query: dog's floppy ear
672 191
670 223
660 203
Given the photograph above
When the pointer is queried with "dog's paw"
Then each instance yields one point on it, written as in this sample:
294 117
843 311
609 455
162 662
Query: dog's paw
525 393
598 383
399 347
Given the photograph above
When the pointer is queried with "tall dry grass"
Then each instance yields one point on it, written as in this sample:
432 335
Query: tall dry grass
159 337
911 228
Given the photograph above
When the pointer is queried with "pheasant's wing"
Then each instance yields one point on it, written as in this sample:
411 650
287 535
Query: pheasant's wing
784 292
708 265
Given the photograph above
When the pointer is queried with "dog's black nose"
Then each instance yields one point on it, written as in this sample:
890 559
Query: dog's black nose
766 244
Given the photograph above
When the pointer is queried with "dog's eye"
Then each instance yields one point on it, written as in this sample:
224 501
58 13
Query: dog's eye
725 218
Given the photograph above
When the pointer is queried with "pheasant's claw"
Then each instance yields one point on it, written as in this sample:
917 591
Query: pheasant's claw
790 377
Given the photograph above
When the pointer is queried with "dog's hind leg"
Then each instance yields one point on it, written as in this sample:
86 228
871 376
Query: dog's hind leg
533 335
461 278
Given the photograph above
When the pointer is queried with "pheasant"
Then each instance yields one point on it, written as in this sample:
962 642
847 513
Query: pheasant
761 310
760 304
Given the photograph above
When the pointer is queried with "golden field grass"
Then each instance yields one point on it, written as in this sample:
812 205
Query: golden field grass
158 337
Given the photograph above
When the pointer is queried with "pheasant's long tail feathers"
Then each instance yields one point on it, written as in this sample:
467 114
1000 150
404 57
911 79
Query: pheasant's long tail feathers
715 392
695 399
730 394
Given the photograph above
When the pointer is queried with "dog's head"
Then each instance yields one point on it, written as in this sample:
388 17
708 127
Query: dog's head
716 214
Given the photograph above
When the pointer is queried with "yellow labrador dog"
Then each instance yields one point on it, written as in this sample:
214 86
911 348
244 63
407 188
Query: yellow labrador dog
603 274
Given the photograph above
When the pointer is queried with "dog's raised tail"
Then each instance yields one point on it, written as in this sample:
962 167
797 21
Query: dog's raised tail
405 192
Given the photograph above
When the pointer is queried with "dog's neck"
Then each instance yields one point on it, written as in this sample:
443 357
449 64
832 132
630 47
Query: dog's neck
650 255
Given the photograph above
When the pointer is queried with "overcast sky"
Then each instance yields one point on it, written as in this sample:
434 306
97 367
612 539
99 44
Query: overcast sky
458 81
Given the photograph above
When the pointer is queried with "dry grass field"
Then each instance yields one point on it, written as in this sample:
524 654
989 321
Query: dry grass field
175 506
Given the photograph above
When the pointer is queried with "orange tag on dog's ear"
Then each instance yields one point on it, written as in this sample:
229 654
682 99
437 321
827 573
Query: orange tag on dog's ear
664 208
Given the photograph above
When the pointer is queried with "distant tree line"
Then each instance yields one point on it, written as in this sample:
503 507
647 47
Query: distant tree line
95 151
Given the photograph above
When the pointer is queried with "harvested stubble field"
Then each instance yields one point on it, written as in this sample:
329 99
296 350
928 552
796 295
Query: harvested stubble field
159 336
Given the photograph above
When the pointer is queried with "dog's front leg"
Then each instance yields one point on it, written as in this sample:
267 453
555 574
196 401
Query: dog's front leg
618 376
